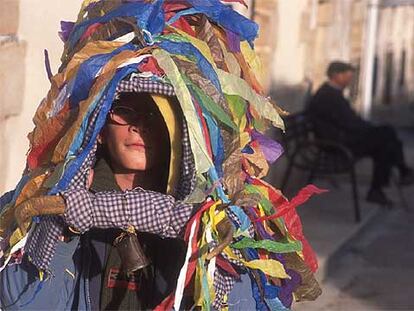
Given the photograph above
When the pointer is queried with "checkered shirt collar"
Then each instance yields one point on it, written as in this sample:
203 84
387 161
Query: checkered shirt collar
138 84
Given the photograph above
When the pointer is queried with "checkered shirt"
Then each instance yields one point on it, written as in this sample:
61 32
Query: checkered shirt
42 241
137 84
145 210
125 208
223 283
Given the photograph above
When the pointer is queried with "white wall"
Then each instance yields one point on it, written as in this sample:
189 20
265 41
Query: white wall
288 65
396 33
293 56
39 24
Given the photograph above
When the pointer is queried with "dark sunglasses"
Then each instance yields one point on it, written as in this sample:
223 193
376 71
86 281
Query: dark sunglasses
123 115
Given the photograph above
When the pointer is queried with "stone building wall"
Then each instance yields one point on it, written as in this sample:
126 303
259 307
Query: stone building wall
298 39
395 56
12 54
308 34
27 27
265 45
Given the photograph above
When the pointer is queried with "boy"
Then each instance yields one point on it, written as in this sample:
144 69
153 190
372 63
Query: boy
134 158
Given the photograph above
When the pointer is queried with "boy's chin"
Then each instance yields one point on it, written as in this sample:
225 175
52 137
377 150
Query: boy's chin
136 167
140 163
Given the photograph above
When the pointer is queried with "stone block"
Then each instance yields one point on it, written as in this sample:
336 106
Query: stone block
3 156
9 16
325 14
12 78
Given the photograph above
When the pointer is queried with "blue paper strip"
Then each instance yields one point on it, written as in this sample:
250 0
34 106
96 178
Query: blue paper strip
226 17
85 77
191 52
241 215
214 178
149 15
74 165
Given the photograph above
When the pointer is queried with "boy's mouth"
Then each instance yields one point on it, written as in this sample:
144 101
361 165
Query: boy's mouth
136 146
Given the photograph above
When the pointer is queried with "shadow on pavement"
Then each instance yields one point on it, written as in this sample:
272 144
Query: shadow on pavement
367 266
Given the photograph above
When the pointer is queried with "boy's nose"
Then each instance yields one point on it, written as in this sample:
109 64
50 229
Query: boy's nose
138 129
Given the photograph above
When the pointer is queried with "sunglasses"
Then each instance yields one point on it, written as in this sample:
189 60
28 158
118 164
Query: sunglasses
123 115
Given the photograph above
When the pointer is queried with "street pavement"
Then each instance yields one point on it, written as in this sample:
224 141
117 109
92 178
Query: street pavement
374 270
365 266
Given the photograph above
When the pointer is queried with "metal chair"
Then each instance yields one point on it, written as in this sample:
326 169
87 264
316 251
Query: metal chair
318 157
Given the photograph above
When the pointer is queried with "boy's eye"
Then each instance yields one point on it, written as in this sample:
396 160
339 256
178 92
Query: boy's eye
127 116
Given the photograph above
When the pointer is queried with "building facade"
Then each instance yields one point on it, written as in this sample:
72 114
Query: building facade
301 37
394 65
298 39
27 27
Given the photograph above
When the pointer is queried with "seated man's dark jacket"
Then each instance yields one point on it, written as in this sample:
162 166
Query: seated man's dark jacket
334 119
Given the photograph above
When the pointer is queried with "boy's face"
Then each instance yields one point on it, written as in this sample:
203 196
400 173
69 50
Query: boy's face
135 135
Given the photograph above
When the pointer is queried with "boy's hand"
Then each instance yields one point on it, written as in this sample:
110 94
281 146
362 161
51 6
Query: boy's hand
45 205
90 178
225 231
246 200
225 228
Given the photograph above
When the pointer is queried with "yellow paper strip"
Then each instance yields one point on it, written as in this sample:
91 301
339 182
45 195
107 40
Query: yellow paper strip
231 61
233 85
201 156
199 44
270 267
253 60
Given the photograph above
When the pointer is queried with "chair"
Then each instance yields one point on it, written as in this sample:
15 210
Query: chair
319 157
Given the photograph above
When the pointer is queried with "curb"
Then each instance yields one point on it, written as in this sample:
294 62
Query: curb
324 262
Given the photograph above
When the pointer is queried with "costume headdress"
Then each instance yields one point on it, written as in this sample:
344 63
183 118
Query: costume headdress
202 52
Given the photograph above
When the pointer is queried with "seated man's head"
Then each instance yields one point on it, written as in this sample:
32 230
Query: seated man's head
340 74
135 137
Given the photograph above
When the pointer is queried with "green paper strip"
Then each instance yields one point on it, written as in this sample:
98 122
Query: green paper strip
265 202
212 107
238 106
233 85
271 246
198 144
200 45
172 37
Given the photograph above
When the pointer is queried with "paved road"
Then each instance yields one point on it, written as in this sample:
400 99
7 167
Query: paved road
373 271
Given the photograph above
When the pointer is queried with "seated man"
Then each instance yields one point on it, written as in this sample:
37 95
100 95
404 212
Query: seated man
334 119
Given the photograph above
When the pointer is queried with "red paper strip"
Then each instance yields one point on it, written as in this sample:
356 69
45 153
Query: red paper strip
151 65
183 25
91 29
34 159
227 266
287 210
167 303
303 196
